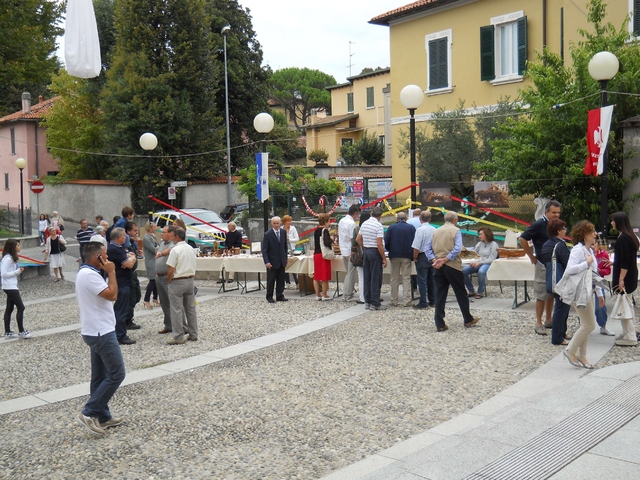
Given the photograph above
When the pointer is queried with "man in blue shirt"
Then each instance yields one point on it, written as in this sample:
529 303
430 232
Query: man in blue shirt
398 243
124 263
424 269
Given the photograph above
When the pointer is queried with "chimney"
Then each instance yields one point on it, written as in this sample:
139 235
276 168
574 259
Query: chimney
39 98
26 102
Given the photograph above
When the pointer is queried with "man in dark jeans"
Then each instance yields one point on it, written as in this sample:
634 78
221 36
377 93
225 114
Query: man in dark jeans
424 270
124 263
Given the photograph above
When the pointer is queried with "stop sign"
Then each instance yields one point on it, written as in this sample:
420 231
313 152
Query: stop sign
37 187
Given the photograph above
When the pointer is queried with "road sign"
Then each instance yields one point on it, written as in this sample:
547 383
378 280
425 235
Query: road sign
179 183
37 187
172 193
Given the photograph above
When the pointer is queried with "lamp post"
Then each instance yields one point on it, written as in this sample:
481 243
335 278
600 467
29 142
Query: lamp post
21 163
148 141
411 98
263 123
603 66
225 30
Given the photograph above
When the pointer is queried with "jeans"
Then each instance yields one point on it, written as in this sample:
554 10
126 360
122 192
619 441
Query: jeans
121 309
372 276
287 278
42 236
559 320
482 277
426 285
107 373
601 312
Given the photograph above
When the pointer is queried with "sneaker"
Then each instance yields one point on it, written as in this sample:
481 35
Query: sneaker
626 343
112 422
24 334
540 330
379 307
177 341
367 306
548 325
10 335
126 341
605 331
91 423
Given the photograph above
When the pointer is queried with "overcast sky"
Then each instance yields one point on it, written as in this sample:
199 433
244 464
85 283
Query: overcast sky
295 33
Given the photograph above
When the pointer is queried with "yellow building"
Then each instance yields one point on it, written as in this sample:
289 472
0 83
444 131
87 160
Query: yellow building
361 104
476 51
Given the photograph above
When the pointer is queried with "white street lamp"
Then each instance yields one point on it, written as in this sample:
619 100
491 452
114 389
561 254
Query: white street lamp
263 123
603 66
148 141
411 98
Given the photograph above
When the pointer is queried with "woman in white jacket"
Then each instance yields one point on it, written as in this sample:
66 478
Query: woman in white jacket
55 253
581 264
10 272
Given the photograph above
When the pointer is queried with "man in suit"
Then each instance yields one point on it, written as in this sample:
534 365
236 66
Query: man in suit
274 255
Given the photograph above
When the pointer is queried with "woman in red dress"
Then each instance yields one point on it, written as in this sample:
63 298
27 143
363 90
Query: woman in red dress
321 267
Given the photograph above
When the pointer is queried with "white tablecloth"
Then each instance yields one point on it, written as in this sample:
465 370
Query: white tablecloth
517 269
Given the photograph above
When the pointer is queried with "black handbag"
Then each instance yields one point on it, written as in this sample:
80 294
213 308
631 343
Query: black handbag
554 271
357 253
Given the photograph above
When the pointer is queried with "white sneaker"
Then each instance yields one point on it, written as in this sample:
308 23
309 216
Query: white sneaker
9 335
604 331
92 424
25 334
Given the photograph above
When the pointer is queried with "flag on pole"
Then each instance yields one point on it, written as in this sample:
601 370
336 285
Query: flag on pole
262 176
597 137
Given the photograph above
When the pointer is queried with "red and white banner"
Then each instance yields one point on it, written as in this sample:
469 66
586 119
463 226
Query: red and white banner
597 137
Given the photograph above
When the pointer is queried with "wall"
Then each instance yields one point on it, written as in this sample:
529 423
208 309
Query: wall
211 196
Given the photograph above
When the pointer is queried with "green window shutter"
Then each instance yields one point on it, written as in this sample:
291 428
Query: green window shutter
636 17
370 100
438 67
349 102
522 45
487 57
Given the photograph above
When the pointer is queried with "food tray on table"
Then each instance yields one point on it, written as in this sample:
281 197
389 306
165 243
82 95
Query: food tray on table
468 254
510 252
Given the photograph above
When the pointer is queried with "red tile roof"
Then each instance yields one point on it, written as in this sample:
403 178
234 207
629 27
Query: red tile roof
329 121
409 9
37 112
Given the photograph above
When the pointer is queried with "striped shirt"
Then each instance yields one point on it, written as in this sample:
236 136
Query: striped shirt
371 230
84 236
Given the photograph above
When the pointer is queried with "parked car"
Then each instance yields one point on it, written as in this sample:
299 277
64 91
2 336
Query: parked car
231 211
199 233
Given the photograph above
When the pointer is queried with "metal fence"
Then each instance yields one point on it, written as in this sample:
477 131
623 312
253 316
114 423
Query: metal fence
11 221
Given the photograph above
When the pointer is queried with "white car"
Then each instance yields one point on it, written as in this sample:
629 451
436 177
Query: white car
199 233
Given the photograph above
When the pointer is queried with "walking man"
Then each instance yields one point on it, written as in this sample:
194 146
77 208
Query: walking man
444 252
398 242
181 268
424 269
346 226
124 263
537 233
274 255
83 236
370 238
98 323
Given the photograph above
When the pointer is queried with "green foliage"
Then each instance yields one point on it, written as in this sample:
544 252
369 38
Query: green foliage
300 90
486 125
544 152
319 155
283 144
73 123
293 182
448 155
28 29
368 151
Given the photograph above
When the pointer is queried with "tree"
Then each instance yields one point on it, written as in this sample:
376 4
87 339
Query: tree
448 155
28 29
248 79
163 80
368 150
300 90
544 152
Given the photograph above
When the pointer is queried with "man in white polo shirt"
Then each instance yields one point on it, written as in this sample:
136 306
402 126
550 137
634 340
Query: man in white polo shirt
98 325
371 239
180 272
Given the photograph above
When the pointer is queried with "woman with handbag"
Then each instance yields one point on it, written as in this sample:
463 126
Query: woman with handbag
625 273
55 248
323 250
579 276
555 256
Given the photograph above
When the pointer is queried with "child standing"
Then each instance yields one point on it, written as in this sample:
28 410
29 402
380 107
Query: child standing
10 272
604 269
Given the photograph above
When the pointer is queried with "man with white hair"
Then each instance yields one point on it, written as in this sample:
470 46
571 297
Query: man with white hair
444 252
232 240
274 255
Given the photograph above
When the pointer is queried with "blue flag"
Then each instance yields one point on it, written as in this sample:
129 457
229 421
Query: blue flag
262 176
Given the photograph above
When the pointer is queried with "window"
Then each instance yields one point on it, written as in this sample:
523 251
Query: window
381 139
503 48
6 181
349 102
438 47
346 141
634 24
370 101
13 140
292 116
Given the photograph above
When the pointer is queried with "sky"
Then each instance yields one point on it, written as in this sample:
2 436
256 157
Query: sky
295 33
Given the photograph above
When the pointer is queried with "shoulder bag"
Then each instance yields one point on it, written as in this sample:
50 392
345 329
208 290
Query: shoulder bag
554 270
357 253
327 252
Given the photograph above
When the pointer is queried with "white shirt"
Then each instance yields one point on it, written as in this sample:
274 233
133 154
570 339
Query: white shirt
183 259
96 313
10 273
345 234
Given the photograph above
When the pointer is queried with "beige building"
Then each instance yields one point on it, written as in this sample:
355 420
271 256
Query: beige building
361 104
476 51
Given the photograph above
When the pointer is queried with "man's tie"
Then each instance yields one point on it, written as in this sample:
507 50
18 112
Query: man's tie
278 235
